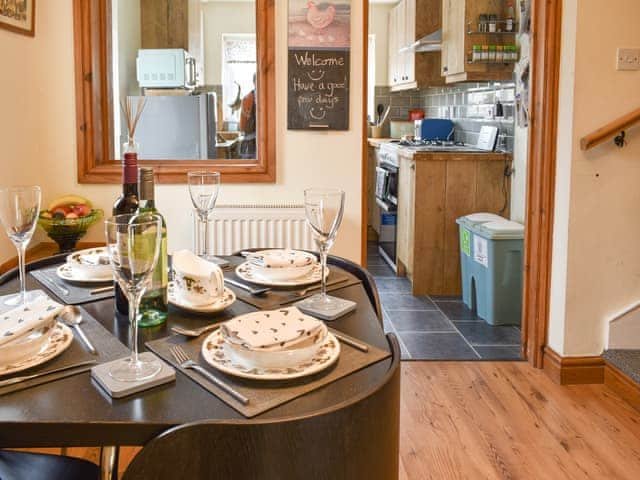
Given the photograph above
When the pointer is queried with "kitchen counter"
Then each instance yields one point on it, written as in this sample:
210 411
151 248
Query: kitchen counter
455 156
377 142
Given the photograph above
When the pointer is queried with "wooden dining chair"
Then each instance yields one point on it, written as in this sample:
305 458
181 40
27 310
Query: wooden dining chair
43 466
357 271
358 438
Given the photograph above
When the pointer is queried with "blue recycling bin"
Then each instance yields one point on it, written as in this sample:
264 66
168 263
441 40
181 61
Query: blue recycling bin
492 261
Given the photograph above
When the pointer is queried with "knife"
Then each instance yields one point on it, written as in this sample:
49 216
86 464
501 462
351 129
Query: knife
248 288
24 378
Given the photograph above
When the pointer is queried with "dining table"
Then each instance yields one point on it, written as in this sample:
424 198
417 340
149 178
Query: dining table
75 411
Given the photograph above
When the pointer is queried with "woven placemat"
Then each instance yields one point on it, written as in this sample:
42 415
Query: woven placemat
107 346
264 395
283 296
78 294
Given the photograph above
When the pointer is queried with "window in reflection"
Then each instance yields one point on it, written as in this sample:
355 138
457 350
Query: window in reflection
196 69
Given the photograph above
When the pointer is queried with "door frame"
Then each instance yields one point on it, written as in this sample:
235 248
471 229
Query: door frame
546 28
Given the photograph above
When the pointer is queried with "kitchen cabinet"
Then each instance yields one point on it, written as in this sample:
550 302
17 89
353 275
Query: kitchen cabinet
409 21
460 33
435 189
164 24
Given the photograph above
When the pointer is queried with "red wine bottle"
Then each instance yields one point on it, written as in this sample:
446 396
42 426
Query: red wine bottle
126 203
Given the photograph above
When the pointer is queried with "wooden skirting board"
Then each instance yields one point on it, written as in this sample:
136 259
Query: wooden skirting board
622 386
572 370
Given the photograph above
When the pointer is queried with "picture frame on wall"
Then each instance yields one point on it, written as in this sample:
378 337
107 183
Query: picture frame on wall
18 16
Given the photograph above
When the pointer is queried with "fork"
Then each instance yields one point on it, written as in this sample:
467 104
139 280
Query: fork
185 362
195 332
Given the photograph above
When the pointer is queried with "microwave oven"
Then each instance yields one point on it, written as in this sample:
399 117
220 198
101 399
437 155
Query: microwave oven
165 68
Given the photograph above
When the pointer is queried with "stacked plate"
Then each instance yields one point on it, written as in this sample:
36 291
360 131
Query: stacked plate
271 345
87 266
31 335
280 268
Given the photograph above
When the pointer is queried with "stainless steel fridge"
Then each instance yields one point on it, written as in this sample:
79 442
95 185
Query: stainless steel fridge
177 127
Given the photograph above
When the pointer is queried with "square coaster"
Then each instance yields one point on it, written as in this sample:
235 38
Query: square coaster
100 373
342 307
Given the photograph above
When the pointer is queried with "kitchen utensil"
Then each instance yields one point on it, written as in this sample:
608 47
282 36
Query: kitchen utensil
379 111
351 342
384 116
24 378
185 362
96 291
248 288
72 317
304 291
195 332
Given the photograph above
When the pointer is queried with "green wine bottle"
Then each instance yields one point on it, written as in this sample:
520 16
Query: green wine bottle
153 306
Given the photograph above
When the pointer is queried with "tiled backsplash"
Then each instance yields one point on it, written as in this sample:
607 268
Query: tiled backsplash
469 105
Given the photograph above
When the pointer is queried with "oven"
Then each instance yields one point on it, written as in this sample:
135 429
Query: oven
387 199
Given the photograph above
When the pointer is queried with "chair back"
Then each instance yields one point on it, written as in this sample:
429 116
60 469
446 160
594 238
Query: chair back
358 438
35 265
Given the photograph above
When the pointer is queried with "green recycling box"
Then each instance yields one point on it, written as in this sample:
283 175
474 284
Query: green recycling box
492 260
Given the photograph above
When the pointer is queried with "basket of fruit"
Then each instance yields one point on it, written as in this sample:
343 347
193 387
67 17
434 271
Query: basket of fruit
67 219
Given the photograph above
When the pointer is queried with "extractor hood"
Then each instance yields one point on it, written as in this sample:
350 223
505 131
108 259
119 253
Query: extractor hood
428 43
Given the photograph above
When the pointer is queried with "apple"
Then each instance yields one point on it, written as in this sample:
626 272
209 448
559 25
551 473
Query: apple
82 210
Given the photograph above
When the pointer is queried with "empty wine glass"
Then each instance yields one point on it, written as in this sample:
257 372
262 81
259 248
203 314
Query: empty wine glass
323 210
204 188
19 210
133 244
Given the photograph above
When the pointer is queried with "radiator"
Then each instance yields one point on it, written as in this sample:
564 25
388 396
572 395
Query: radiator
237 227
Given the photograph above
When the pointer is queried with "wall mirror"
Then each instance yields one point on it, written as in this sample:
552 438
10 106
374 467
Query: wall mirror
204 70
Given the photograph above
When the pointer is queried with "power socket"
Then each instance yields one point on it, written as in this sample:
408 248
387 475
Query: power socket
628 59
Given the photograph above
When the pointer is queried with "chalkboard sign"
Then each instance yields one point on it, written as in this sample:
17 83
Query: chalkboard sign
318 81
318 89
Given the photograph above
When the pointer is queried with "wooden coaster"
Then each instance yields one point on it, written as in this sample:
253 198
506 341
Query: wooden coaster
116 389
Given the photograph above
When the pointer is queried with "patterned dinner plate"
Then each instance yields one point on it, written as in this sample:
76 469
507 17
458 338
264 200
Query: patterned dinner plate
247 272
58 342
226 301
66 272
219 355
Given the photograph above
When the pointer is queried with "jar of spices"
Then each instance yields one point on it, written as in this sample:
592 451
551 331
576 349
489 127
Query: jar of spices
476 55
492 54
500 54
485 53
493 23
482 22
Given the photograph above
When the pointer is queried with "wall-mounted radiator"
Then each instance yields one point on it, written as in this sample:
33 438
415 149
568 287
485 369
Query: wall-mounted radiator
237 227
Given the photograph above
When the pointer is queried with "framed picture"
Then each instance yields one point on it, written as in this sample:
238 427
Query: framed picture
18 16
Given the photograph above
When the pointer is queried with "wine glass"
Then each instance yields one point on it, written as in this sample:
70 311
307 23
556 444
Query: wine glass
19 211
323 210
204 188
133 244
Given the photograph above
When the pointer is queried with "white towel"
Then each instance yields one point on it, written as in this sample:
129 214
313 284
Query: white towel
274 330
21 321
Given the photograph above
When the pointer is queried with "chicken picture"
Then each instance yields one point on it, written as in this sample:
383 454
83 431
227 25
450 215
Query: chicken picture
321 15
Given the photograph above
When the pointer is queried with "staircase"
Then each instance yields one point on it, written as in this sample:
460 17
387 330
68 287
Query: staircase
622 374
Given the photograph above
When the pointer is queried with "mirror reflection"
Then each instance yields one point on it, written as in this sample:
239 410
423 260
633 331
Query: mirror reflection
194 62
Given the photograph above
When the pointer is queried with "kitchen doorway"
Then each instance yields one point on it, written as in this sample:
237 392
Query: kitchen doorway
530 199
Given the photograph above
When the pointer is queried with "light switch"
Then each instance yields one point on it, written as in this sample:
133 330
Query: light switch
628 59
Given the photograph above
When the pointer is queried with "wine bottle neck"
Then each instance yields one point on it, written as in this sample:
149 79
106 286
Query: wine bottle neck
130 169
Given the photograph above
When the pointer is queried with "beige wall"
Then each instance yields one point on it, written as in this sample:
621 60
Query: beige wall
38 132
596 259
379 26
220 18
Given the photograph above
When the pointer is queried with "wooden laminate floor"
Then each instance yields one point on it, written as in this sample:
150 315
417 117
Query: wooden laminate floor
505 420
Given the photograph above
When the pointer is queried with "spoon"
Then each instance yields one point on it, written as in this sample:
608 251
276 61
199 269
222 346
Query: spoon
72 317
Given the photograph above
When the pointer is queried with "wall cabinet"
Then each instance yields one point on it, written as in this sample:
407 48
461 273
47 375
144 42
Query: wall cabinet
460 33
409 21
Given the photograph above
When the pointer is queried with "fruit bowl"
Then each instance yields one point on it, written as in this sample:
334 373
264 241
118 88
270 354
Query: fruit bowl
67 220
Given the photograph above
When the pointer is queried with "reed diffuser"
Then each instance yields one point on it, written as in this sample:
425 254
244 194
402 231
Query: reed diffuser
132 113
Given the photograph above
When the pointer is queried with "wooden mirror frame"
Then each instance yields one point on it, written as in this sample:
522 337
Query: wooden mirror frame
92 44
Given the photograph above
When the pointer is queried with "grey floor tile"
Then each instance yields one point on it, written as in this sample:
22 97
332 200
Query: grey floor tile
419 321
481 333
380 271
405 301
446 298
396 284
499 353
457 311
375 261
437 346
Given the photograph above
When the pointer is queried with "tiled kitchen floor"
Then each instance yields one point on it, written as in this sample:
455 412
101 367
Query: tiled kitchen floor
437 328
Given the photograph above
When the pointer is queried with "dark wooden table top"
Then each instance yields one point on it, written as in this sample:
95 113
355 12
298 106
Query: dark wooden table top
74 411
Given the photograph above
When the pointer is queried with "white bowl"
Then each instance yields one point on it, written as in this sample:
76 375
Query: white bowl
278 359
26 346
282 273
90 263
